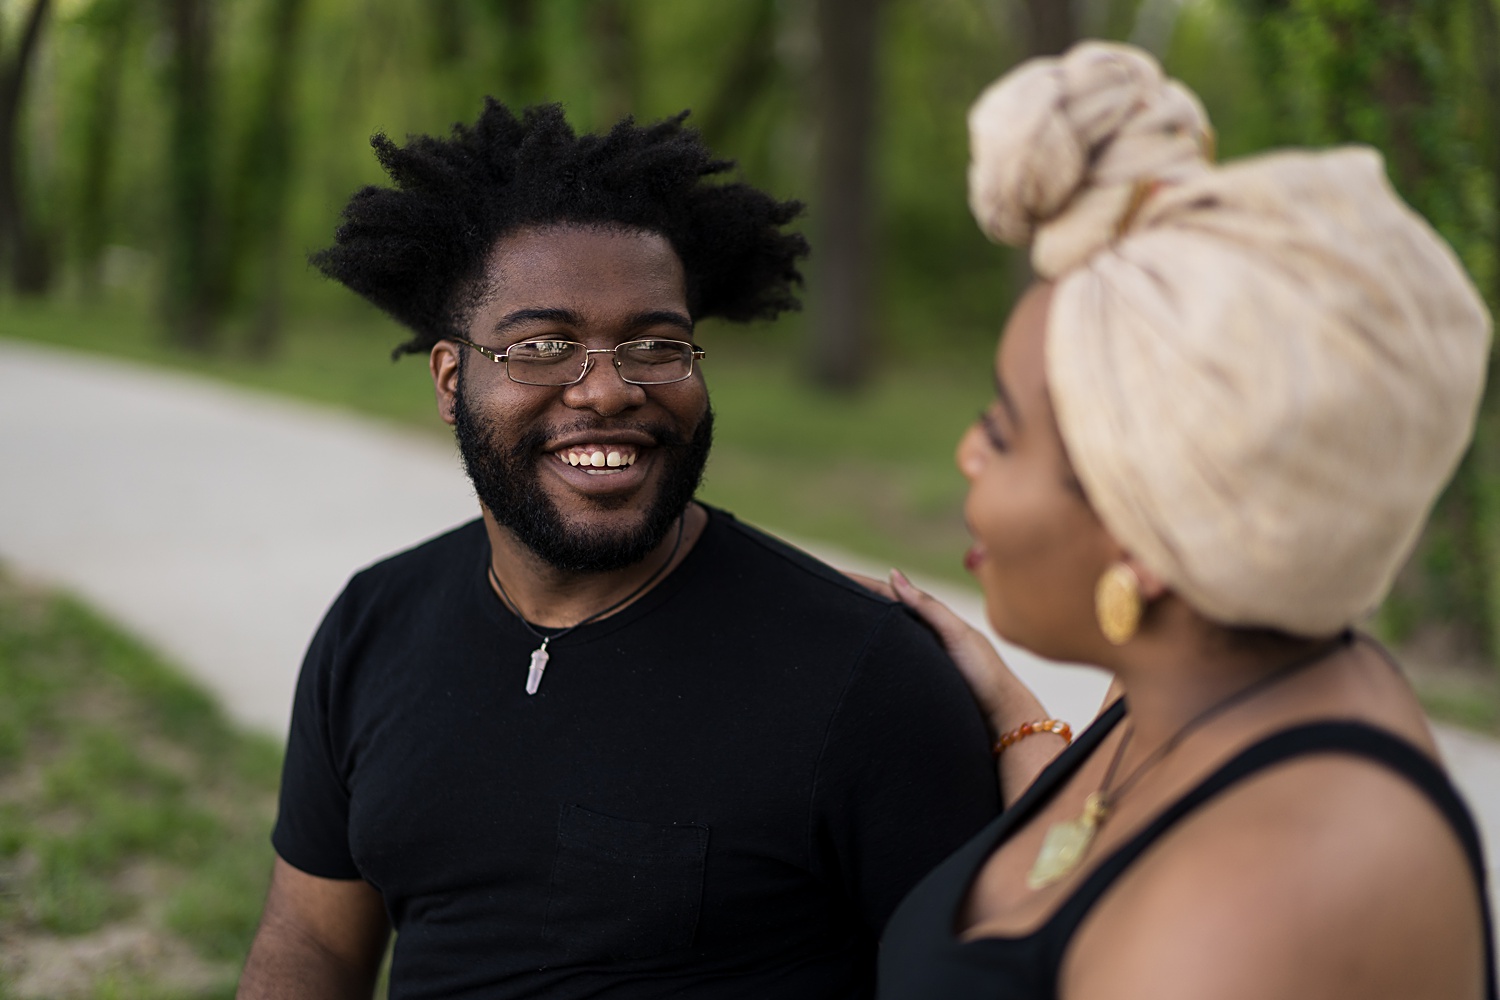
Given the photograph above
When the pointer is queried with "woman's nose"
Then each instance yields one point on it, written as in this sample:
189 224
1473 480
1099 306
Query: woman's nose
969 455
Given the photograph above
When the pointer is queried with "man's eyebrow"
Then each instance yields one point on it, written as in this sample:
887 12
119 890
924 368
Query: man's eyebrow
661 317
567 317
564 316
1003 395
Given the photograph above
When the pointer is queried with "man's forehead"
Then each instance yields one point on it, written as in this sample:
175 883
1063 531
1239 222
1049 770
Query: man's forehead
573 276
540 255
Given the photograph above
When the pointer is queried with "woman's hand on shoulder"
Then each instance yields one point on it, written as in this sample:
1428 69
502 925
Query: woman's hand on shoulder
1325 877
1004 698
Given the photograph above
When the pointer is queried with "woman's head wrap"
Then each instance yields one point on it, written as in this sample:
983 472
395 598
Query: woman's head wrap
1264 372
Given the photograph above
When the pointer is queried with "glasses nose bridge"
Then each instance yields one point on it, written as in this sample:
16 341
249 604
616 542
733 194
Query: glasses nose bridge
588 362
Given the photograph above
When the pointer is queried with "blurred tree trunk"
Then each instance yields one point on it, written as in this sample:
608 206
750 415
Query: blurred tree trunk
1052 28
848 32
619 60
193 287
21 241
750 69
110 22
261 184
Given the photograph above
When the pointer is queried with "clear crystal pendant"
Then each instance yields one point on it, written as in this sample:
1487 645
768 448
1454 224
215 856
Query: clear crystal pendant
539 659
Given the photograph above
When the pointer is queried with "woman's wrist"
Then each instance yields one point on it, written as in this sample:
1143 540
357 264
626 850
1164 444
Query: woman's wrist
1008 706
1037 727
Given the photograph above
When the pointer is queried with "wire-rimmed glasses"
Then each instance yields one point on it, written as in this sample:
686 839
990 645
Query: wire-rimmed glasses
649 361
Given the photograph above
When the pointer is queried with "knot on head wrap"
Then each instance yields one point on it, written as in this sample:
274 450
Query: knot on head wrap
1059 146
1264 383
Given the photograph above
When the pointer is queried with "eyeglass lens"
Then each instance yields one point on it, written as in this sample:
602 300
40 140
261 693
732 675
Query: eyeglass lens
560 362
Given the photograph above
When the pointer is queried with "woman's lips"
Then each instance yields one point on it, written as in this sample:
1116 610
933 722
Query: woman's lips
973 558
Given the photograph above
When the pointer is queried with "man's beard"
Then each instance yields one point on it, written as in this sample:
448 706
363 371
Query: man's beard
508 483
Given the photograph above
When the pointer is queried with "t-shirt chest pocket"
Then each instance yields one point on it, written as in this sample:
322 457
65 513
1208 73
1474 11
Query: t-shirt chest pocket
623 889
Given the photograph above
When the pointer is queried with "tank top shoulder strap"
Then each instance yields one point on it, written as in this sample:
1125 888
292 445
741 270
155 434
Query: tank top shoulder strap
1057 773
1354 738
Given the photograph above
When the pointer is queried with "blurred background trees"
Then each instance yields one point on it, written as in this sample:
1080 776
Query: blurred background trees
22 252
178 159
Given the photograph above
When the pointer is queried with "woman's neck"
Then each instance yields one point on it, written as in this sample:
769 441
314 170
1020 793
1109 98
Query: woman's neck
1186 666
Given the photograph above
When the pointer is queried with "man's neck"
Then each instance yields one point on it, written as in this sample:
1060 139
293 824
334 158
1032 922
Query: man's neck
552 598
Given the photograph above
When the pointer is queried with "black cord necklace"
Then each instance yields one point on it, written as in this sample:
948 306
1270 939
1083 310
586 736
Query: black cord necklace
540 656
1067 841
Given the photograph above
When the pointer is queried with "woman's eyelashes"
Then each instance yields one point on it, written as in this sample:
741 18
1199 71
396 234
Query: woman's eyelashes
990 424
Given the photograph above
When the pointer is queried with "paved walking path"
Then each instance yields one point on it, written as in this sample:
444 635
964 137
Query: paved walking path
219 524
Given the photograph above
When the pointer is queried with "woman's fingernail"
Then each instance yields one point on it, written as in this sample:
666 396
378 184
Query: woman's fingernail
899 579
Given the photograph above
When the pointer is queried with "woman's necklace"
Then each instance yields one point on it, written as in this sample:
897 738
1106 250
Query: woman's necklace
1068 841
540 656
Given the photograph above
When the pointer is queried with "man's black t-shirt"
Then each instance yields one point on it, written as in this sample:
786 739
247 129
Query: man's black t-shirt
721 791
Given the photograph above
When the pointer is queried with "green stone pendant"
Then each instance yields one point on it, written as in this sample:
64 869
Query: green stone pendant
1066 844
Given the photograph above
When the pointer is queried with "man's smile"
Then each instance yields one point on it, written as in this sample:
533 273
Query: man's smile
612 460
600 463
602 459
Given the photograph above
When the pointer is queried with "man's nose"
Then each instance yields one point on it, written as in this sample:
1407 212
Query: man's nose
602 389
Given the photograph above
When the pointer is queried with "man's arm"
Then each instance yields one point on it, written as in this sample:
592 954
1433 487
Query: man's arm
318 937
905 776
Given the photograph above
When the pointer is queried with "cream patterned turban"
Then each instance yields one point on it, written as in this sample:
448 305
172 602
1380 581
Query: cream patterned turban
1263 372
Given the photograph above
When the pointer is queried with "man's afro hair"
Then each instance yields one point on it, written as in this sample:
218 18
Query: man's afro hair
418 250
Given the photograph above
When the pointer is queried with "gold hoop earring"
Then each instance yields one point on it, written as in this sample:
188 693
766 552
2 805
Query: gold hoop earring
1117 603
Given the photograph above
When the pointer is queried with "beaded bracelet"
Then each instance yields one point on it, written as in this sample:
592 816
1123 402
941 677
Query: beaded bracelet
1026 729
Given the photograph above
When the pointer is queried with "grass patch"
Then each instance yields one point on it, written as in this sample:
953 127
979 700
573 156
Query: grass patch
133 817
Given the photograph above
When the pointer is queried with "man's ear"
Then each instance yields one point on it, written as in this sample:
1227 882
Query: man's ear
443 363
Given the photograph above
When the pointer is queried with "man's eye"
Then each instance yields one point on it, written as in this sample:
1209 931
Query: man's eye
542 350
656 350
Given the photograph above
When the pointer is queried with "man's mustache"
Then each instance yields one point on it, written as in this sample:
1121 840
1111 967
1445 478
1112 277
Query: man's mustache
535 441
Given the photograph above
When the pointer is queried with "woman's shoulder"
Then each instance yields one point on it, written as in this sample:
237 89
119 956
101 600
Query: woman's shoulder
1324 874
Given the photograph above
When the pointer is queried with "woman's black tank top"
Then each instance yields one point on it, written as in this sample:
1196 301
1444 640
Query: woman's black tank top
921 957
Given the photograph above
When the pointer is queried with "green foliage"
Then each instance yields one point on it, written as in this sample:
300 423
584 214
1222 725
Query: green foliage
1210 52
1400 77
294 89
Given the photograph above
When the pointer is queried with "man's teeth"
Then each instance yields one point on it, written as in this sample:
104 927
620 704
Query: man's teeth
600 458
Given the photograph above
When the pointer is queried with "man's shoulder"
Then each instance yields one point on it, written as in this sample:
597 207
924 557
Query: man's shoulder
446 554
753 550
